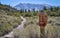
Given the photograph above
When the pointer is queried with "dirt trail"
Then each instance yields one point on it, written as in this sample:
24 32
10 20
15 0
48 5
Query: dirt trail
10 34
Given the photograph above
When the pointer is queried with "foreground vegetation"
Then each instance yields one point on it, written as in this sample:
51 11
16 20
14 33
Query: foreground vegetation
32 30
9 19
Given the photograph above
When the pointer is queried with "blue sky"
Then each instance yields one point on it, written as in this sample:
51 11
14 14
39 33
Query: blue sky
15 2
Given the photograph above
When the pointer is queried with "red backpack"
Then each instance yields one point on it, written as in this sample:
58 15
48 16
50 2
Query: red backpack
43 19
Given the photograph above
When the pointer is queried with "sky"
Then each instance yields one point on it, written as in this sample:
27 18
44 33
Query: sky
15 2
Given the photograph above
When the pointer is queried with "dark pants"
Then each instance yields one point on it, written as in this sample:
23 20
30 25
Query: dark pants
42 30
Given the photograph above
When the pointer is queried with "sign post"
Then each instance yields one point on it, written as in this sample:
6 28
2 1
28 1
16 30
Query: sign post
42 23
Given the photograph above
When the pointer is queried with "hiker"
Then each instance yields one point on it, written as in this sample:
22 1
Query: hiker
42 23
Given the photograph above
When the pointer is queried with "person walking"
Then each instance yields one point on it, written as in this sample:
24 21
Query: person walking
42 23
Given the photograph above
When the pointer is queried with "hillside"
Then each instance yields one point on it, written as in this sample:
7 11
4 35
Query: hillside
7 7
9 19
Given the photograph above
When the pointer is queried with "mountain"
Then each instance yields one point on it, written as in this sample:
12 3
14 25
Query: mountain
31 6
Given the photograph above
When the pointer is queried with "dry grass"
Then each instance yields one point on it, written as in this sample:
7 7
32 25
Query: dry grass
32 30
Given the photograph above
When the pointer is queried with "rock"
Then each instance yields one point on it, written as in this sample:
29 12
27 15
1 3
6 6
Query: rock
57 23
50 21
